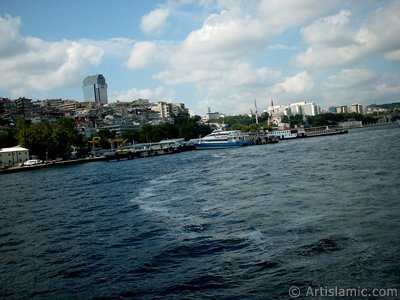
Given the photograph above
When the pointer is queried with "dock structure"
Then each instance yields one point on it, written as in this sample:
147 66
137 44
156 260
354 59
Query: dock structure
127 152
149 149
263 138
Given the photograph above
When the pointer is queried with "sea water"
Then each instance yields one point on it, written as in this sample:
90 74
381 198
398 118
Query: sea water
248 223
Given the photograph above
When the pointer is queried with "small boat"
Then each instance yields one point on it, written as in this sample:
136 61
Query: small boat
220 139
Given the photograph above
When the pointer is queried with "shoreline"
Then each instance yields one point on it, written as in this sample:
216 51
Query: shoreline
141 154
16 169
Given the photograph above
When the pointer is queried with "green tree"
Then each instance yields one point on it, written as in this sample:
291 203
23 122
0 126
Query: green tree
146 134
296 120
65 135
8 138
105 135
22 132
190 128
40 139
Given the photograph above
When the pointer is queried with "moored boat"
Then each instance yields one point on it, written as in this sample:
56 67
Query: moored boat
319 131
304 132
282 134
219 139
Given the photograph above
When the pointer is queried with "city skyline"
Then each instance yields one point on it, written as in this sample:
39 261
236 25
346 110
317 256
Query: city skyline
218 54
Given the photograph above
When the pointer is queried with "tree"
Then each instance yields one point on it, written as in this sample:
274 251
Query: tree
39 139
105 135
65 135
131 135
8 138
296 120
22 131
146 133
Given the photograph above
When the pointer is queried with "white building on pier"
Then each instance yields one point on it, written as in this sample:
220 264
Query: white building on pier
13 156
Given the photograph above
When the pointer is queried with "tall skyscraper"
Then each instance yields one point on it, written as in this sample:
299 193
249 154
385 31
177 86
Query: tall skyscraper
95 89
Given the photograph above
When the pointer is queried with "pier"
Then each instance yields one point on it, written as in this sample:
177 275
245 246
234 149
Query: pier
122 153
149 149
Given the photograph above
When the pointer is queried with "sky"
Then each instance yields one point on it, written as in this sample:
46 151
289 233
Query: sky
217 54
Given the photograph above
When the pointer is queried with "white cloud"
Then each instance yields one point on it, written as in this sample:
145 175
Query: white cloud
333 42
155 21
141 55
296 85
134 94
237 88
351 78
380 31
393 55
233 52
224 40
218 57
360 85
39 65
283 14
329 31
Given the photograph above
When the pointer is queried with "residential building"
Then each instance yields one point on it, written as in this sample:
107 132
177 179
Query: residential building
332 109
304 108
212 116
163 108
24 106
341 109
95 89
179 108
357 108
8 110
277 113
120 129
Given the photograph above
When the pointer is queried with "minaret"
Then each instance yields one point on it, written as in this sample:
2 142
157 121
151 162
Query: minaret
255 105
272 113
272 105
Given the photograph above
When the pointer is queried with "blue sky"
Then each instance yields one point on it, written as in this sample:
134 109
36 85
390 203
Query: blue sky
220 54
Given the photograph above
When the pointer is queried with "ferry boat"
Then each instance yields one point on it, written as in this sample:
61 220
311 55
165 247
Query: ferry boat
282 134
304 132
219 139
319 131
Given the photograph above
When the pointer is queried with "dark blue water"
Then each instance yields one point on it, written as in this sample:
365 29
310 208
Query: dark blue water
244 223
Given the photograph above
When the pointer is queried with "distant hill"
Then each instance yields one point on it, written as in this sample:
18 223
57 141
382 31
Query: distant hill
388 106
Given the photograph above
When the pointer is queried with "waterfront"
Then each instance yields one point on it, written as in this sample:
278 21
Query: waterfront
238 223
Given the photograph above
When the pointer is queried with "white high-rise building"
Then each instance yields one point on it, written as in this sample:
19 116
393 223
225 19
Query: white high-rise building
341 109
357 108
305 108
